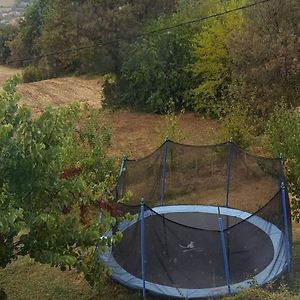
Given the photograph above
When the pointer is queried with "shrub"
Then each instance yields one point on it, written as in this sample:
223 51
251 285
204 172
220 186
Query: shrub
236 125
33 74
170 128
283 133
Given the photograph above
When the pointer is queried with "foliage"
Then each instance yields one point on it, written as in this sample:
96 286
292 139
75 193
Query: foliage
236 125
24 45
170 128
53 171
7 33
93 26
265 54
155 72
212 66
33 74
283 132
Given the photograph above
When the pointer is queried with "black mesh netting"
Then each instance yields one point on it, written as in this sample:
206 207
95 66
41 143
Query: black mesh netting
182 174
188 192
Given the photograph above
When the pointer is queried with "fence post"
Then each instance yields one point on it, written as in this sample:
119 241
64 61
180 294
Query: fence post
164 172
228 171
224 251
286 227
142 217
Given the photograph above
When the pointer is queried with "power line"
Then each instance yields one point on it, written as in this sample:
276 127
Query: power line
157 31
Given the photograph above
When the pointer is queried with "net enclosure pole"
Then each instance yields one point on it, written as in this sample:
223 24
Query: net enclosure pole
229 159
286 227
122 169
164 172
224 251
143 247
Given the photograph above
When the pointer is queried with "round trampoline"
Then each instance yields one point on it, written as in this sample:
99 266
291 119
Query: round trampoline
196 251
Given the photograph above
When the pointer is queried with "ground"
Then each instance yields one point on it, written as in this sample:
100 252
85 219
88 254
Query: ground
135 134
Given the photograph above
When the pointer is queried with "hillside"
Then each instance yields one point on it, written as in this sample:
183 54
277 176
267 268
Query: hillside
56 92
134 133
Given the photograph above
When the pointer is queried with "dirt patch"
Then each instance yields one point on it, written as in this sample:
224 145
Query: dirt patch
61 91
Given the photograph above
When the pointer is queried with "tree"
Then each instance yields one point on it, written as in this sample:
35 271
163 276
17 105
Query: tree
24 45
212 66
265 54
102 28
7 33
155 72
53 171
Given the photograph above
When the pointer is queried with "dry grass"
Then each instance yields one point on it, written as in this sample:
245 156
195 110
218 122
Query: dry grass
6 72
61 91
137 134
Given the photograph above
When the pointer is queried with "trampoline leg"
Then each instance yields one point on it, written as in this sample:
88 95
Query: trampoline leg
286 227
143 247
224 250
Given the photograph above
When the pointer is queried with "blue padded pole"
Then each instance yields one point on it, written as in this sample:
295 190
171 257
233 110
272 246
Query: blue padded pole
224 251
228 171
286 227
164 172
143 247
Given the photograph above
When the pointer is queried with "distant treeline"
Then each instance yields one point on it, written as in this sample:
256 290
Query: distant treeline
247 58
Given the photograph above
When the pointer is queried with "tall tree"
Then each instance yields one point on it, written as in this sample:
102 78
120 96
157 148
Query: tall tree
212 61
103 28
7 33
265 54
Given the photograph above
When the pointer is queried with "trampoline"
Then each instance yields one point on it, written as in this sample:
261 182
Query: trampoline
182 241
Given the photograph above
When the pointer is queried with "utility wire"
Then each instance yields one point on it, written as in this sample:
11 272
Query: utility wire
151 32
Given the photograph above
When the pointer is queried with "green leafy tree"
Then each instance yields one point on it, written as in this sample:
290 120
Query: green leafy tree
24 45
102 28
53 170
7 33
212 61
155 72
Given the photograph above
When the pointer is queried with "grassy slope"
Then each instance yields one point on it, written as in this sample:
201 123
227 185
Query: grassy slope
135 134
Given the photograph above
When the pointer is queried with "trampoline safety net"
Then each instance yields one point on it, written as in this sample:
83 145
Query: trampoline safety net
212 220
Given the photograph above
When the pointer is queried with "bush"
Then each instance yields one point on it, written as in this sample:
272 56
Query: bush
283 134
170 128
236 125
33 74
